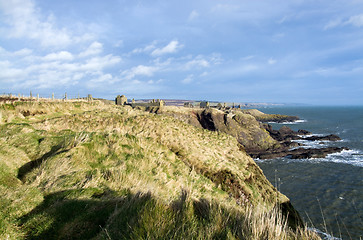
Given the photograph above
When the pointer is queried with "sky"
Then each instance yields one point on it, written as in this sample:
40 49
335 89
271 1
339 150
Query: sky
275 51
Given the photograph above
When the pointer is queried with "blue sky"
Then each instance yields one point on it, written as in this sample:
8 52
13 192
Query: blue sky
227 50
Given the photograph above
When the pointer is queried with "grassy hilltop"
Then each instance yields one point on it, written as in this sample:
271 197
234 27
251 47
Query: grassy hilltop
91 170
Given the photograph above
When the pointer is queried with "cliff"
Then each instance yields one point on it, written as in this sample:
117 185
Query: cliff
89 170
249 132
255 137
263 117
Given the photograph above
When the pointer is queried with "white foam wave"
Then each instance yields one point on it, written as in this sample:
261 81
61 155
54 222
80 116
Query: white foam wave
313 135
310 144
300 121
346 153
352 157
290 123
324 234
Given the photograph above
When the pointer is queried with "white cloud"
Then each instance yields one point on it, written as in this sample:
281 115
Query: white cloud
60 56
197 63
189 79
247 58
78 76
144 70
172 47
94 49
20 53
146 49
53 70
333 23
356 20
248 68
119 43
204 74
103 78
225 8
193 15
9 73
139 70
25 21
271 61
99 63
23 52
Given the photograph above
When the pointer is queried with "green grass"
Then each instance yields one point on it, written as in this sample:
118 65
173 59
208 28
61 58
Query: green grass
94 171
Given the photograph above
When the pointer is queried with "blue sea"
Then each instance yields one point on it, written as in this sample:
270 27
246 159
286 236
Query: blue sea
327 192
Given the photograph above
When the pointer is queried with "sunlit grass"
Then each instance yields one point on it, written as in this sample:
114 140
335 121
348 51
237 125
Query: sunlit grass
83 170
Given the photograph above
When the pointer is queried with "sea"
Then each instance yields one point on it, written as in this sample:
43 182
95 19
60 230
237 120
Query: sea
327 192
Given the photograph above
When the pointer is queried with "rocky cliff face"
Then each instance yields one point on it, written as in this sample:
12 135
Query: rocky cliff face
256 138
244 127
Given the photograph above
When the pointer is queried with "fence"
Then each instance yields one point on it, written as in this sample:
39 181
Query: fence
8 98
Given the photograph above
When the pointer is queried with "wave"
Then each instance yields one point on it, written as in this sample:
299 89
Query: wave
324 235
316 143
311 144
313 135
290 123
352 157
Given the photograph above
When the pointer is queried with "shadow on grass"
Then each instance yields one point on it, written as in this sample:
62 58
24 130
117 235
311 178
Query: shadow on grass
29 166
94 213
81 213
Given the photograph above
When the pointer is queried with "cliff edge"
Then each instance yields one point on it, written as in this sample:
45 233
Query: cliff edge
87 170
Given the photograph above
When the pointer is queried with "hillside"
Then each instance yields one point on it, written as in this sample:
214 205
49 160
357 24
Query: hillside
88 170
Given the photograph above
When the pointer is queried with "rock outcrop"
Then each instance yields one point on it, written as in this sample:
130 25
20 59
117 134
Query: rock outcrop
291 149
244 127
263 117
258 139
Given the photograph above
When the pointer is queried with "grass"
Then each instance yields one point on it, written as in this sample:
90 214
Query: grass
89 170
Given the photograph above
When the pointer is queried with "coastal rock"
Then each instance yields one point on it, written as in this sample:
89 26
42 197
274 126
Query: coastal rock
259 140
300 153
244 127
303 132
303 153
284 134
277 118
289 148
330 137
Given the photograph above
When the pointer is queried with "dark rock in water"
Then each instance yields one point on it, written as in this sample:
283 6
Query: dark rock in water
300 153
303 153
286 131
303 132
285 135
330 137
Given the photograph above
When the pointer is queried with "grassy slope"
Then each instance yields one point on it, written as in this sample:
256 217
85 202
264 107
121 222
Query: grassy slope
243 126
89 170
263 117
